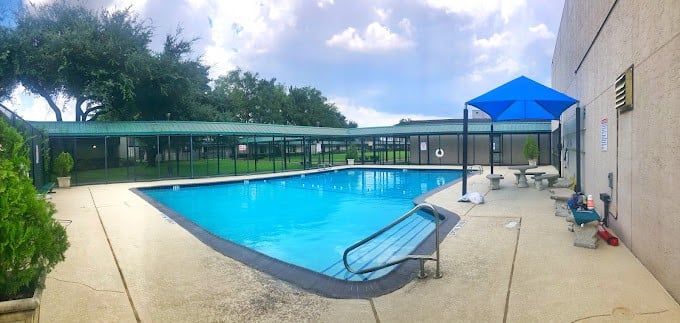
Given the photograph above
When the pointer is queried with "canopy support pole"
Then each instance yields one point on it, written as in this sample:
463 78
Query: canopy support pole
465 148
577 186
491 147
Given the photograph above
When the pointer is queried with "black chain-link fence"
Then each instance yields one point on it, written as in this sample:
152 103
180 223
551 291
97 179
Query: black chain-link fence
37 142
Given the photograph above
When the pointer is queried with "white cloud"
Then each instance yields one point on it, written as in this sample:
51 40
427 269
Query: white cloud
495 41
541 31
376 38
135 5
241 30
475 76
505 65
510 7
370 117
406 26
348 38
196 4
282 12
27 3
383 14
504 54
219 59
516 37
323 3
35 108
481 59
479 11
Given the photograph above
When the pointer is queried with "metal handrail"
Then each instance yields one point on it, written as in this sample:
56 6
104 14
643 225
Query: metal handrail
422 258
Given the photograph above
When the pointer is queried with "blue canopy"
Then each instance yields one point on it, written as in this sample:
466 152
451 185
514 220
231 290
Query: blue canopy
523 99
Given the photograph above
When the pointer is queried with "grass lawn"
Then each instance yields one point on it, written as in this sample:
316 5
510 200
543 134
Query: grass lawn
213 167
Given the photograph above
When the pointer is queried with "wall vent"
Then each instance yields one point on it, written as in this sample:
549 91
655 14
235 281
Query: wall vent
624 91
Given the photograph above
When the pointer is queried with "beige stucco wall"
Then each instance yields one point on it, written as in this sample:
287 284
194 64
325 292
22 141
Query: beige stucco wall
643 144
478 149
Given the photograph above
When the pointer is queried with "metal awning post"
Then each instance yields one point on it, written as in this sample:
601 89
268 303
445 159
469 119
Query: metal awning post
577 186
491 147
465 148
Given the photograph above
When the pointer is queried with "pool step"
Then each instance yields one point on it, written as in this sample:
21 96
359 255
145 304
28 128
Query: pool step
394 243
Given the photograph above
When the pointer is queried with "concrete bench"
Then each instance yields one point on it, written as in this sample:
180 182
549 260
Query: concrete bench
47 188
561 198
495 181
584 225
563 183
538 180
527 173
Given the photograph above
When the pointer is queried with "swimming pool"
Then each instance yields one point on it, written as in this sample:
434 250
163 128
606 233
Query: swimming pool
309 220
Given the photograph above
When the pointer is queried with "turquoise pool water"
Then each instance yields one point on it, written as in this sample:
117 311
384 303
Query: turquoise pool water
309 220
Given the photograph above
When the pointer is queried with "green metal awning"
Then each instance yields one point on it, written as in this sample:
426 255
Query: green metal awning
198 128
152 128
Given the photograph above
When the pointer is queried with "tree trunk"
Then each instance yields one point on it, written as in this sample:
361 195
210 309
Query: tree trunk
52 105
79 110
88 110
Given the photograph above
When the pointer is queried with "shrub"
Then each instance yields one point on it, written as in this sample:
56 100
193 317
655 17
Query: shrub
63 164
31 241
530 148
352 152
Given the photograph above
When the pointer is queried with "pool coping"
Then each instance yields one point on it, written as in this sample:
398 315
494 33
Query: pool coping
308 279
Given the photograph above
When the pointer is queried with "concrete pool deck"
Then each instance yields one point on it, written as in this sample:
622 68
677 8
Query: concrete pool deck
128 262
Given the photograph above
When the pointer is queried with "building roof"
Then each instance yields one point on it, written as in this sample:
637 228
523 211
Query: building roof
151 128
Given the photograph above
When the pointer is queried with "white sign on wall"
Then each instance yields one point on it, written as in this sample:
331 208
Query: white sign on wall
604 129
423 146
242 147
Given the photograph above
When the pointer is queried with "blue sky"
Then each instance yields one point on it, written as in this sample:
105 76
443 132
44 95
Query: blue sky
378 61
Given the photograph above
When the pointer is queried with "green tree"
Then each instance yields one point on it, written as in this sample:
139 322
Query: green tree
530 148
404 121
31 241
246 97
102 62
238 91
167 82
63 164
352 152
311 108
69 50
107 76
7 63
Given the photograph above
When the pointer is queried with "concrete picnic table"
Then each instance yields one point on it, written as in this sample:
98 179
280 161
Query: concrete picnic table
538 180
522 174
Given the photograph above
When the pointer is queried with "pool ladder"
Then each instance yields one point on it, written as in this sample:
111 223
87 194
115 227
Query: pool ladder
421 258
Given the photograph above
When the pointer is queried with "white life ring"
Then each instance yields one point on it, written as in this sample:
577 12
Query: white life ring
439 153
